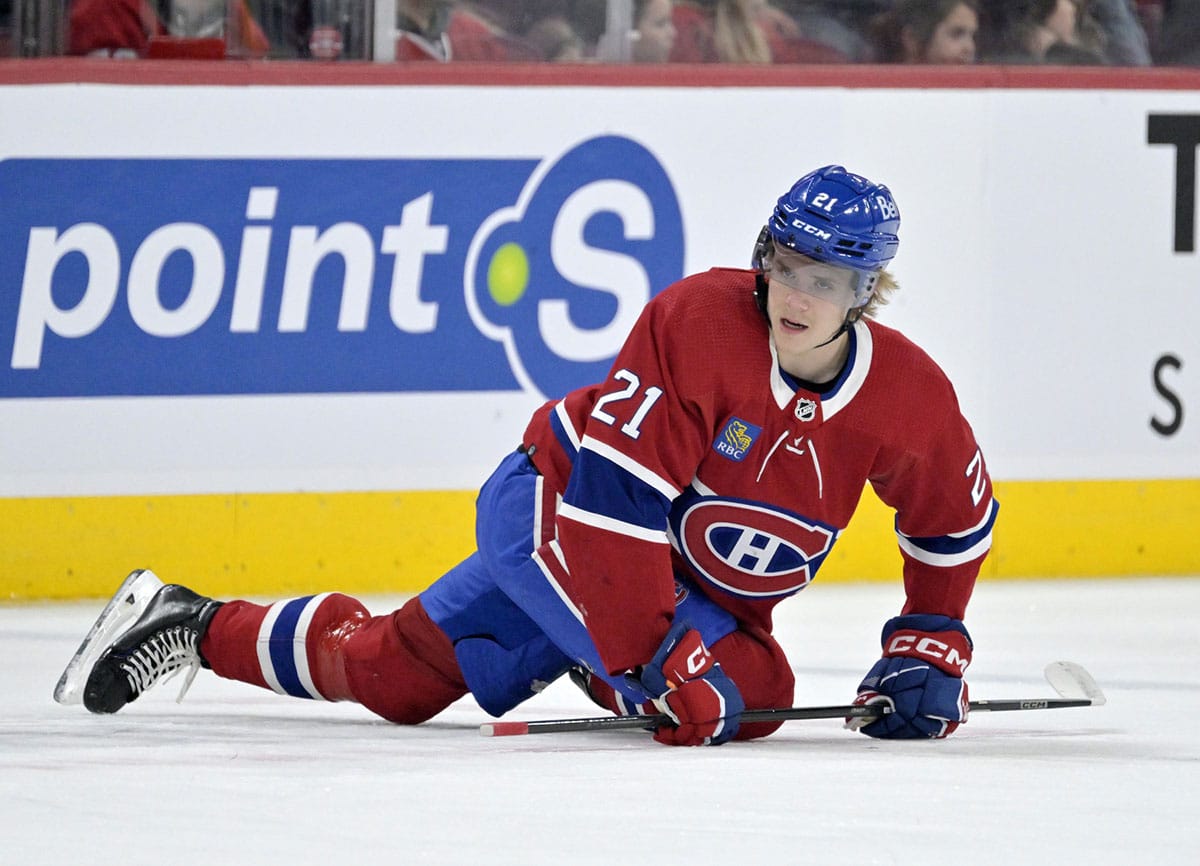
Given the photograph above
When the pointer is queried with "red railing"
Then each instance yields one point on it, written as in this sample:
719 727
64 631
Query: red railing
85 70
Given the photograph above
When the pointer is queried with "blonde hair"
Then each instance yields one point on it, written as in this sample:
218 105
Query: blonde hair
885 286
737 36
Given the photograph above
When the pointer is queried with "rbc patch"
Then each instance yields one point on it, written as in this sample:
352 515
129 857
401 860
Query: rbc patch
735 440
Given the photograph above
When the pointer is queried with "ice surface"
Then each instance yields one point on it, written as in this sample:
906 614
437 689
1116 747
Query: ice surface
237 775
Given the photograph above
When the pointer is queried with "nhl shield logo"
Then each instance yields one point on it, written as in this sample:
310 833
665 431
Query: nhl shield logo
806 409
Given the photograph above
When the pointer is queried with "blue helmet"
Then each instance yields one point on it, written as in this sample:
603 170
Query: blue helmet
836 217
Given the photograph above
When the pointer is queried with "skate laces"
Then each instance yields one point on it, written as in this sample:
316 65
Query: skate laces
161 656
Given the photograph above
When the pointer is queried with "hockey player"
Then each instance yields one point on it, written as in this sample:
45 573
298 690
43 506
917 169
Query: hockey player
648 524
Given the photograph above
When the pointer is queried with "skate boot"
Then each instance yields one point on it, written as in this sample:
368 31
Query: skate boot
168 622
583 681
603 695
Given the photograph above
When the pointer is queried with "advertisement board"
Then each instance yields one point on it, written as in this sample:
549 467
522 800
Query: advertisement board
217 294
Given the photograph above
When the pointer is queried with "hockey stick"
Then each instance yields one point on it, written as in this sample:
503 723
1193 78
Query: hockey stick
1075 687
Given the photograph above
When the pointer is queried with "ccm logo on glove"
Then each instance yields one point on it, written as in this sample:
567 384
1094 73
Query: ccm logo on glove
687 685
949 650
698 661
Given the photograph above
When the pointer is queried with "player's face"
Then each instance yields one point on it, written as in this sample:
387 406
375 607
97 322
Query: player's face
790 269
807 303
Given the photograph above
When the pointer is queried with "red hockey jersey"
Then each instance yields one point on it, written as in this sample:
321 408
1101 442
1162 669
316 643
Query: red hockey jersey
700 455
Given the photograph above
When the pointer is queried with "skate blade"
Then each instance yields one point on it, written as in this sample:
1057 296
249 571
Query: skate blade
122 611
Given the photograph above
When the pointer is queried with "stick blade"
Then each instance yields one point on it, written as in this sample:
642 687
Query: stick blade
1071 681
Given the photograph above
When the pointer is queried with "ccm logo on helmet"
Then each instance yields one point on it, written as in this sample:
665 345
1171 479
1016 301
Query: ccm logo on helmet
915 645
810 229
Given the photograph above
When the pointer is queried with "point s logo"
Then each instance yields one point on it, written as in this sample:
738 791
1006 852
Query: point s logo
173 276
561 277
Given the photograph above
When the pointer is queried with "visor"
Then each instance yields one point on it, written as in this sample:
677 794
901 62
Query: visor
845 287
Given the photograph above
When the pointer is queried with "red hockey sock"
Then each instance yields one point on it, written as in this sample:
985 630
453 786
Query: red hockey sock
328 647
402 666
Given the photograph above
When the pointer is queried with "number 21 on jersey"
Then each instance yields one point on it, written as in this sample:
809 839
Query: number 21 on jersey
639 403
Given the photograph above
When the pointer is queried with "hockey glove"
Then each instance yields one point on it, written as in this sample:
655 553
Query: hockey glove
919 677
687 684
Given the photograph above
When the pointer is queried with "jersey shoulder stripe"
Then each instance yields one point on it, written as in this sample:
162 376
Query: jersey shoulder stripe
953 549
609 524
651 479
615 493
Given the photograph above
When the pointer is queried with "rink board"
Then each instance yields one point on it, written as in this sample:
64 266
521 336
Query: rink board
265 544
276 336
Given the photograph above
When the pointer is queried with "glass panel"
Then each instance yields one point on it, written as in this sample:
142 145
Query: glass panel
928 32
35 28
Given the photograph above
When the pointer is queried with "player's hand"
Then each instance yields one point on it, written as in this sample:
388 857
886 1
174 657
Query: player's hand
920 677
687 684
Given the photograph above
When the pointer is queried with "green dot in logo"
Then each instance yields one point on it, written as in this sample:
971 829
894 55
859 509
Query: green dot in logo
508 275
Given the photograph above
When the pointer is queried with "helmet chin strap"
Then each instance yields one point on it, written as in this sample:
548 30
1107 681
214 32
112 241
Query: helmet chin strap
852 316
836 334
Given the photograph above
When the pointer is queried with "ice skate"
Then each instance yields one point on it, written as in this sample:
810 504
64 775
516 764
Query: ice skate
604 696
583 681
120 661
126 605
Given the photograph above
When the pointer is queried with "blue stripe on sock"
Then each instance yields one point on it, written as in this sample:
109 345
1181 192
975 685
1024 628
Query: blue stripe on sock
283 647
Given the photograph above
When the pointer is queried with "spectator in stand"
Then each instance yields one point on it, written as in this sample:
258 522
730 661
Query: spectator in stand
653 30
588 17
1126 40
112 28
555 40
1056 32
124 28
1150 14
743 31
1179 34
1064 24
1096 32
927 31
838 26
790 43
725 31
443 30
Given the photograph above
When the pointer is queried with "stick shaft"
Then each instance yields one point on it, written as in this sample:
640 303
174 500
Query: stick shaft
620 723
1029 704
780 714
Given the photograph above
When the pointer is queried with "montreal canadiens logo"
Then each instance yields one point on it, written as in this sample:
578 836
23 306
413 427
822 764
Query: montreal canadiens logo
751 550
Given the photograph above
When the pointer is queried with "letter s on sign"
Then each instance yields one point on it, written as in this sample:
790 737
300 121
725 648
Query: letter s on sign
1167 428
